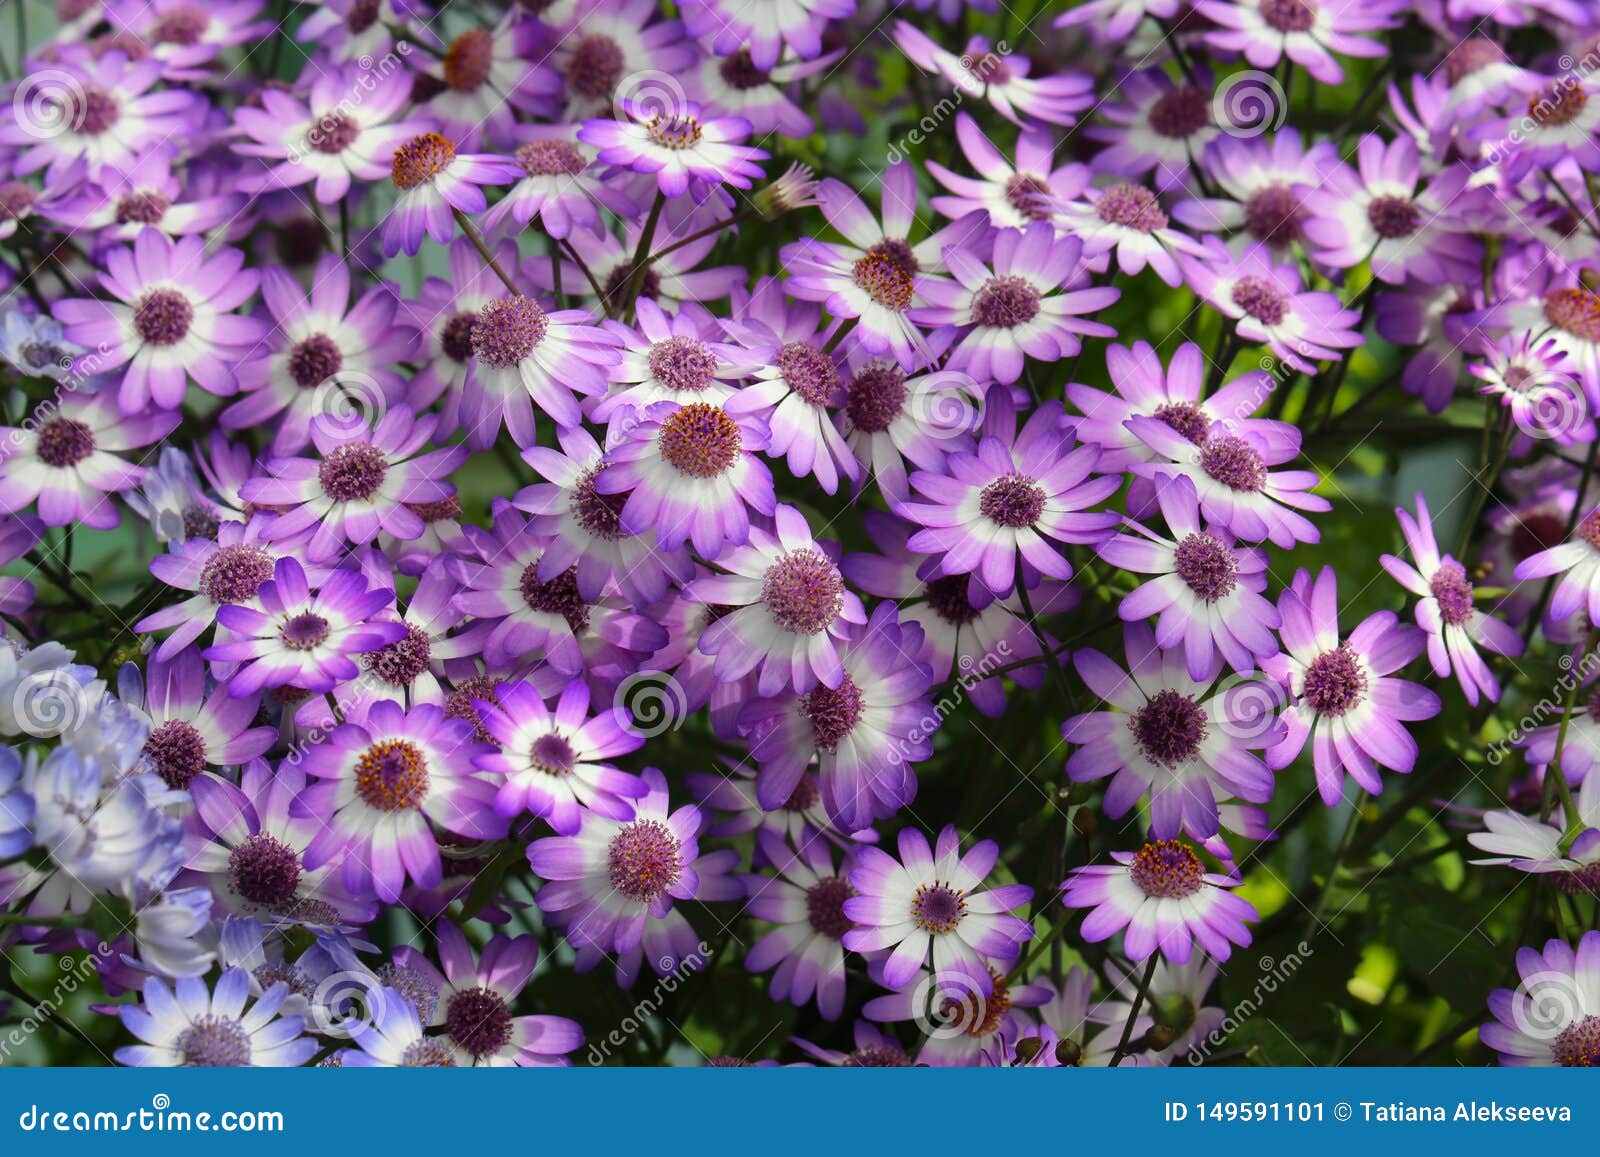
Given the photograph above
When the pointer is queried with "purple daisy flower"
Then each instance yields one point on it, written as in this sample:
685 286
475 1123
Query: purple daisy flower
1553 1016
302 637
1113 20
362 482
435 183
554 760
1013 194
994 74
227 569
764 28
1128 220
1167 738
864 734
599 47
790 611
691 473
66 458
1543 849
1165 900
560 186
888 417
170 320
490 75
1575 566
382 784
998 510
965 1021
1158 126
611 887
127 198
680 146
932 901
1454 626
1263 179
805 897
476 992
191 729
1029 301
1346 701
681 358
189 1026
1306 32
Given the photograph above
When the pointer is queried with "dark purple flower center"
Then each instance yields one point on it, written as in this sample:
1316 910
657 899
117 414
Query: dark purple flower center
313 360
877 1057
874 397
884 280
1589 529
16 199
142 207
1005 302
1029 196
63 442
1233 462
1576 311
1274 215
553 158
620 279
213 1042
900 252
1289 15
1132 207
552 754
1469 56
947 596
400 662
1393 217
1260 299
264 871
645 859
803 591
479 1020
1182 112
1536 531
177 751
1167 869
1185 418
233 574
808 371
469 60
683 363
353 472
1169 728
508 330
392 775
833 712
1012 501
304 632
162 317
182 25
1558 104
937 907
200 522
676 131
559 596
740 73
459 703
362 15
421 159
825 907
455 339
95 111
1454 592
805 795
596 66
600 515
1578 1045
333 133
1207 566
700 440
1335 682
1584 881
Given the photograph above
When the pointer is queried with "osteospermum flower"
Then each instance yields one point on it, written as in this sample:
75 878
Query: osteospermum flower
612 885
679 146
1028 302
1167 737
1012 194
1543 848
994 511
554 761
1552 1017
683 358
475 996
805 897
191 729
864 734
1128 221
66 459
191 1027
790 610
1455 627
1163 899
1156 125
1263 180
294 635
932 901
560 186
1001 77
170 320
490 75
765 28
889 418
382 783
1575 567
435 182
1346 701
1307 32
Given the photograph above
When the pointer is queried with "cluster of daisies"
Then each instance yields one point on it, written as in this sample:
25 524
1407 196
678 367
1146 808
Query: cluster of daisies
490 496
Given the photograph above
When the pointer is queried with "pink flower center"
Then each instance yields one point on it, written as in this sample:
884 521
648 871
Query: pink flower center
1393 217
803 591
1234 462
1260 299
645 859
162 317
1207 566
177 751
1169 728
552 754
183 26
1132 207
400 662
392 775
353 472
1005 302
808 372
875 396
1185 418
1029 196
1273 215
479 1020
1012 501
142 207
213 1042
1335 682
1182 112
1470 56
555 158
265 871
233 574
1578 1045
1289 15
63 442
460 702
1450 586
95 111
559 596
833 712
683 363
1167 869
313 360
700 440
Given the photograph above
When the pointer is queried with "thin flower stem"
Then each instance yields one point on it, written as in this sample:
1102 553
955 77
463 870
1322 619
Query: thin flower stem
1346 841
640 266
741 216
470 231
1133 1010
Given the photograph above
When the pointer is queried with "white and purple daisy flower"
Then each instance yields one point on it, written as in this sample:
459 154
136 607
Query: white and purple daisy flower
1552 1017
1013 194
1546 848
995 74
192 1026
436 182
682 148
191 728
764 27
1307 32
1128 221
805 897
